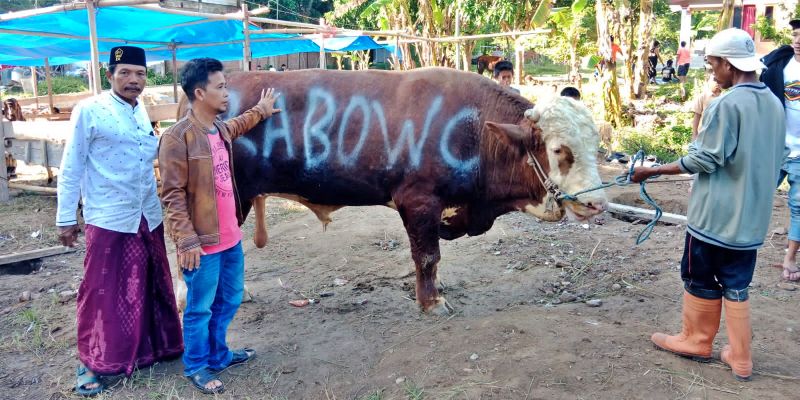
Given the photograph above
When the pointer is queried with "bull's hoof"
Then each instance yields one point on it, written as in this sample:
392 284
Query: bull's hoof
440 308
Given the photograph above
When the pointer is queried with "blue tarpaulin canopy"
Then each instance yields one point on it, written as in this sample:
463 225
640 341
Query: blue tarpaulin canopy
64 37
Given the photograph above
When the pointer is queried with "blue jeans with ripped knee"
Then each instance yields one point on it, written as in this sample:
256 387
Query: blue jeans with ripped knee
791 171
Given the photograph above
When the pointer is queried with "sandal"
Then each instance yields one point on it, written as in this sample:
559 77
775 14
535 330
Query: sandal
201 378
240 356
83 378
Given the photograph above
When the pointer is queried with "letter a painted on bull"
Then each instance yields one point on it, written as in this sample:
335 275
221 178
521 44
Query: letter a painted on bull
317 131
355 102
273 133
468 116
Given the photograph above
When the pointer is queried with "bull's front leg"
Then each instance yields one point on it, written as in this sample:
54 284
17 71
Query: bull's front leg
421 216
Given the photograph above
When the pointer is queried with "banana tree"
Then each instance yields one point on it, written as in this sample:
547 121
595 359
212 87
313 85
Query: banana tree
644 37
607 20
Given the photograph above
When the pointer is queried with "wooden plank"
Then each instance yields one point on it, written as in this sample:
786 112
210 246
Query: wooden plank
33 188
642 213
49 83
162 112
34 254
4 196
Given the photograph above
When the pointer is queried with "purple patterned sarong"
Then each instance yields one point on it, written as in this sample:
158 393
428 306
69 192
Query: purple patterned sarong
127 317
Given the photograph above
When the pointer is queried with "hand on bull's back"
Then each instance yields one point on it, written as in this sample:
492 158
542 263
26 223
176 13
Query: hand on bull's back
267 103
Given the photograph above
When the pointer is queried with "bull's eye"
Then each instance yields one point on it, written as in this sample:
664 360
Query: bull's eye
557 151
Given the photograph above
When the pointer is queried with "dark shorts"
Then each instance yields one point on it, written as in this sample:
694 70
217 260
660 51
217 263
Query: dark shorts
683 70
711 272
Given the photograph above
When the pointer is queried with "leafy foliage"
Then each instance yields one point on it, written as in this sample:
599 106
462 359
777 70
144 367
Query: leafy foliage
63 85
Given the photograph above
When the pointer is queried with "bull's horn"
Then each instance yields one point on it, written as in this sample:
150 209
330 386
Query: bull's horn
533 114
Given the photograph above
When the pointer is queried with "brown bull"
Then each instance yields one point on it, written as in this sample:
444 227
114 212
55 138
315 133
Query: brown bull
487 63
449 150
12 111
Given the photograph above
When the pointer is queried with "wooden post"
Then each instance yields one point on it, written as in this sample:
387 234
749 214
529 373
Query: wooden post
246 31
322 63
517 61
49 81
95 70
174 72
398 65
458 33
35 86
3 178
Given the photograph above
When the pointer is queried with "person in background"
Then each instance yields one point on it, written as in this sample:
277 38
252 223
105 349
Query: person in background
283 68
783 78
571 92
653 58
684 58
668 73
737 158
711 90
504 74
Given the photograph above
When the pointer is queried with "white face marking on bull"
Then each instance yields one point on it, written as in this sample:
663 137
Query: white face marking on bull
567 126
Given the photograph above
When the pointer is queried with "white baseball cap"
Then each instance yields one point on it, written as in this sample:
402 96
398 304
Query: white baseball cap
736 46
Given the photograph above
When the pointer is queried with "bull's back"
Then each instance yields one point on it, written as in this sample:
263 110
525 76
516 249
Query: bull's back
351 138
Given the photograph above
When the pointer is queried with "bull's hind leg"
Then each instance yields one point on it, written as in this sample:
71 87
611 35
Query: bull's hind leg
421 217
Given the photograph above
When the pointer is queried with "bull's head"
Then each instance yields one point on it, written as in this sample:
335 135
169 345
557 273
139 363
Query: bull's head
561 140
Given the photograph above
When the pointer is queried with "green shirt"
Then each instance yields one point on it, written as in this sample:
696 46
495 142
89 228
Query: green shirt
737 157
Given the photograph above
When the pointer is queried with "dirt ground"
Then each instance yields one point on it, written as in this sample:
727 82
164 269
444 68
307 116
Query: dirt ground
515 334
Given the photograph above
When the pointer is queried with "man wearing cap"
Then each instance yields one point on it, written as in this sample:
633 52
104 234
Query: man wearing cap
127 316
783 78
736 157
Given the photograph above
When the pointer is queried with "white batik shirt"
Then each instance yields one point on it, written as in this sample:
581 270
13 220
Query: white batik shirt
108 159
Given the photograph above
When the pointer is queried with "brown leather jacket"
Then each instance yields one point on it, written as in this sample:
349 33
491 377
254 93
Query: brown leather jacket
187 177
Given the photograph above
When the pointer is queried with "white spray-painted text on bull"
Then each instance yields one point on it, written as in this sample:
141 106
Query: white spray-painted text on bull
320 115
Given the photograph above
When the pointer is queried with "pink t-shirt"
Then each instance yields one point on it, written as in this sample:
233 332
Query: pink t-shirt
229 232
684 57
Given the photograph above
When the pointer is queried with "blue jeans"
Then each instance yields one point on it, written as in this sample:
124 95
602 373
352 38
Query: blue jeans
711 272
213 294
791 170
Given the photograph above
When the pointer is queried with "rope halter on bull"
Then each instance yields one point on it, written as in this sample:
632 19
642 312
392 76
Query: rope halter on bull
622 180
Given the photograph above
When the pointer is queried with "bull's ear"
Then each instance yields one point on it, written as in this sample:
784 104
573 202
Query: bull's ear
510 134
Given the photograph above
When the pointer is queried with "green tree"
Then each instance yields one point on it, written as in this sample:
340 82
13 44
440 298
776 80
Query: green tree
19 5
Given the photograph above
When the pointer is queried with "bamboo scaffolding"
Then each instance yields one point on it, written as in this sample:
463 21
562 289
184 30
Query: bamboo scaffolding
246 34
95 54
71 7
68 36
49 81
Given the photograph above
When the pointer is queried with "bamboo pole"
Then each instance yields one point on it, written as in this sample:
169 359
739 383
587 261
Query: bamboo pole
458 33
283 23
96 86
34 80
49 81
322 61
217 17
285 30
246 33
71 7
174 73
68 36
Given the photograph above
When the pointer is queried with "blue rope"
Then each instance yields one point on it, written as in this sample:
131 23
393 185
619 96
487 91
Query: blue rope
624 180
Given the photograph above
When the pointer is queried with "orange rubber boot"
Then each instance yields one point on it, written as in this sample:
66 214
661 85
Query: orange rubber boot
737 354
700 325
